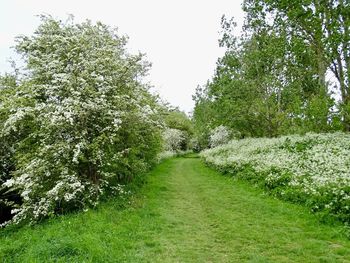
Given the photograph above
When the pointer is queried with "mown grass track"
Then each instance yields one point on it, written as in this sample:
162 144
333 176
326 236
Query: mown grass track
185 213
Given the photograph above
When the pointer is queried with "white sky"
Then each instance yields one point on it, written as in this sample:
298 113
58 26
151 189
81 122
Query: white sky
179 37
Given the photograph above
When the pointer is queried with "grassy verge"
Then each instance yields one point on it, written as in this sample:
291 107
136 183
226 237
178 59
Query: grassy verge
185 213
312 169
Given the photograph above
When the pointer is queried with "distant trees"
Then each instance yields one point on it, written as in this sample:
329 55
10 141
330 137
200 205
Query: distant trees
272 80
174 139
178 130
218 136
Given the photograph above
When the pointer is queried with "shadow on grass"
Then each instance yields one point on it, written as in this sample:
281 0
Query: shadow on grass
191 155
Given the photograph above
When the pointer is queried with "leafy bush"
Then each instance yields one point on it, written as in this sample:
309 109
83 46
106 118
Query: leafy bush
173 139
179 122
218 136
194 145
81 121
312 169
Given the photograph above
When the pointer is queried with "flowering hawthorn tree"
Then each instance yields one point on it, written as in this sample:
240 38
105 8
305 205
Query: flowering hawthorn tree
88 122
218 136
173 139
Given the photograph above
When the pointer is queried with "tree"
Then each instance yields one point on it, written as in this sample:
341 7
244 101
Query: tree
174 139
220 135
272 79
8 88
174 119
92 122
324 26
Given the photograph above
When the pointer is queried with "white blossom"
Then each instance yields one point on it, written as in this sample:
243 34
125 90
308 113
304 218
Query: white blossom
173 138
317 166
78 119
218 136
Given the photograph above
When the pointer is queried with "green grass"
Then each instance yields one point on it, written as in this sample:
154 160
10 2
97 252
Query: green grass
185 213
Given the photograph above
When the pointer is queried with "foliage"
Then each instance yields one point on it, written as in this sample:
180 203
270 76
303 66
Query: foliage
80 122
203 118
173 139
8 86
218 136
311 169
175 119
272 79
323 26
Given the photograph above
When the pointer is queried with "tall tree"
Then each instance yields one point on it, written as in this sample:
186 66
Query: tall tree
273 79
92 122
324 26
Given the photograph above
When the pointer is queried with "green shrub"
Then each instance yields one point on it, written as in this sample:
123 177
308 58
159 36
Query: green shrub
80 123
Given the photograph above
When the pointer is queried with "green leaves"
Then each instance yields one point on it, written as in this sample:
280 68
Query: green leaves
273 79
81 122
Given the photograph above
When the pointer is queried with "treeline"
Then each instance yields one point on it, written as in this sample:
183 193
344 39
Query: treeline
288 72
78 122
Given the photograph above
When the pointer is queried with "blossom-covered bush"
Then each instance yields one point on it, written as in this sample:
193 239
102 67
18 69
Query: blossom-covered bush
218 136
312 169
173 139
80 121
180 122
194 145
8 100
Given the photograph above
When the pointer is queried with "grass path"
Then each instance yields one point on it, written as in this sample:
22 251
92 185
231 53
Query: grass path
185 213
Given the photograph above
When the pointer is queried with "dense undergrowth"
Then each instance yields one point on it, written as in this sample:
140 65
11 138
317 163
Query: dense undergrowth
311 169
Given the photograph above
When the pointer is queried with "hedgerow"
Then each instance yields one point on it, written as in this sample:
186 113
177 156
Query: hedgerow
312 169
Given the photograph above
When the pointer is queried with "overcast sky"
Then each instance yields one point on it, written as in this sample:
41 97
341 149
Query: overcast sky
180 37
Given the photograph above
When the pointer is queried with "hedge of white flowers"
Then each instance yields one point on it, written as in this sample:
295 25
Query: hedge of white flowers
77 124
313 169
